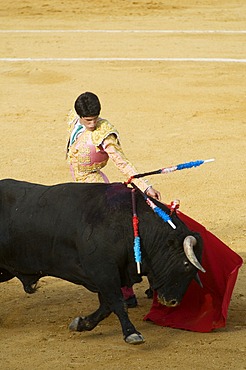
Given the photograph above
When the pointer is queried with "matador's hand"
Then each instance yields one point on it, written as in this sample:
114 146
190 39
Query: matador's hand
151 192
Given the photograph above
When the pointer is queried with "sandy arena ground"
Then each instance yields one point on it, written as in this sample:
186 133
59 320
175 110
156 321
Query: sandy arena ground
167 112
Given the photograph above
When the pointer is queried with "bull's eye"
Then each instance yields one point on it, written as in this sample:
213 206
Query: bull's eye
186 265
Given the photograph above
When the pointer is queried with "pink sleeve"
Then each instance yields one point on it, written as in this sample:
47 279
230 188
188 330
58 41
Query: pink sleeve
112 147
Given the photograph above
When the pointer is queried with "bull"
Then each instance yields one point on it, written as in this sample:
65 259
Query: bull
83 233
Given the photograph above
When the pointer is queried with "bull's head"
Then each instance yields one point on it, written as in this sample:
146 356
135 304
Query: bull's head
178 270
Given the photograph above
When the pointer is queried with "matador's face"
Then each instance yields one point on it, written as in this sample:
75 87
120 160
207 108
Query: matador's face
89 122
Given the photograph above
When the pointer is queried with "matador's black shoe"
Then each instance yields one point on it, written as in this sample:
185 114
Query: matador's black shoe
131 302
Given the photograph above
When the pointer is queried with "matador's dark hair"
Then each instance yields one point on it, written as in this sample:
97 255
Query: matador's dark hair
87 105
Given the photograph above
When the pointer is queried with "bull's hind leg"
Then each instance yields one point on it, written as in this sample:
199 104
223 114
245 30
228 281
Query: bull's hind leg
131 335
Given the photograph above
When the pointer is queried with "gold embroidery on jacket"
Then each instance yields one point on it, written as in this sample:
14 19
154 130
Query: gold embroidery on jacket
104 129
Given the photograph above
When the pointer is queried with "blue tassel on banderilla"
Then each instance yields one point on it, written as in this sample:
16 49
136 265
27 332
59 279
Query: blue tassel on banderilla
135 221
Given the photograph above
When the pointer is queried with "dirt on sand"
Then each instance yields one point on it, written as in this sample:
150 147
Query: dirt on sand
167 112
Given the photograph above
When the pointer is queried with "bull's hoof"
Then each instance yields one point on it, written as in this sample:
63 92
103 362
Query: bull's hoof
75 324
135 339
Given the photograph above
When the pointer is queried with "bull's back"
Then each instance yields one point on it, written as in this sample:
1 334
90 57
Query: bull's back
40 224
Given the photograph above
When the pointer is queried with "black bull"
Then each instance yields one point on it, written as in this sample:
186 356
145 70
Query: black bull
83 233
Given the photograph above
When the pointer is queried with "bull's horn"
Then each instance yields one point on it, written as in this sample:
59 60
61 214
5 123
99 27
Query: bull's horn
188 245
198 280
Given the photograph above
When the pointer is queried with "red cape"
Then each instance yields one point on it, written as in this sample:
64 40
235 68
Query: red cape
203 309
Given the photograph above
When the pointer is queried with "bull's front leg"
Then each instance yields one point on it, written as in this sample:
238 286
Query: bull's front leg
131 335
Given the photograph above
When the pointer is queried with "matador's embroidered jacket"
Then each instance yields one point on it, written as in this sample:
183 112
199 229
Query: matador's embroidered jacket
88 152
